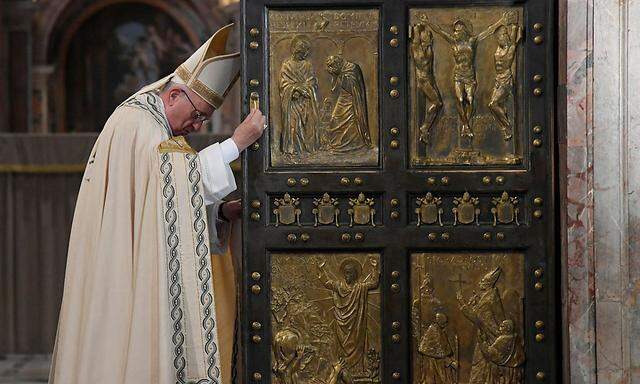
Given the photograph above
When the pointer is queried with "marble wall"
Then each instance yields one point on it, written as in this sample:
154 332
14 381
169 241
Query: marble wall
601 254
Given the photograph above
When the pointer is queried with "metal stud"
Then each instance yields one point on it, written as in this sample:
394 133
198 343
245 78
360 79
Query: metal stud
537 201
304 181
359 236
500 236
256 339
431 180
393 42
394 29
500 180
537 213
395 325
537 142
537 78
254 32
256 276
486 236
394 131
432 236
255 204
305 237
537 91
395 215
255 289
395 338
357 181
539 337
394 144
346 237
255 216
345 181
538 286
256 325
396 375
257 376
538 272
395 287
538 40
291 182
292 238
393 80
539 324
394 93
537 27
444 180
395 274
444 236
537 129
540 376
486 180
255 146
395 202
254 45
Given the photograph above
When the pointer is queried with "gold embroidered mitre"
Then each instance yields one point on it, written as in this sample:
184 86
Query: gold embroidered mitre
211 71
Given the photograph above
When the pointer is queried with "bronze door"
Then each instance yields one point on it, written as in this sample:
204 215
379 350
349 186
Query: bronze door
399 216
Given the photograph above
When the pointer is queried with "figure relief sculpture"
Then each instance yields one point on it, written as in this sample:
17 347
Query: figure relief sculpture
509 36
440 351
298 93
422 53
498 355
350 299
464 46
347 126
290 357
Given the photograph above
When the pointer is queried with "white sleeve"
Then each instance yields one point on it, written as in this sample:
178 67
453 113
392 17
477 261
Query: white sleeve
217 177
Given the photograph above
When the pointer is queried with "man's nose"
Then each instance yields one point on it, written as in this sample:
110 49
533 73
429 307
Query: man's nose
197 125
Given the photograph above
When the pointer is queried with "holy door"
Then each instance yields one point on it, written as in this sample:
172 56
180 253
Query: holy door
399 211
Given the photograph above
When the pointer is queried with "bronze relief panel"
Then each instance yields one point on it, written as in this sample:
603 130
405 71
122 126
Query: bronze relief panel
325 318
323 87
466 99
467 317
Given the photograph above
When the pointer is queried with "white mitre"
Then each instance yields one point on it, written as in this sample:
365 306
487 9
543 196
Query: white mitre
211 71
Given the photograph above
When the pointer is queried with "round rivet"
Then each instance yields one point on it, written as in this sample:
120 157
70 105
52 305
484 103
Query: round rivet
256 325
255 204
395 338
255 216
537 27
540 376
395 274
395 214
431 180
255 289
256 276
395 325
537 129
395 131
305 237
500 236
537 201
359 236
256 339
357 181
537 91
345 237
393 80
432 236
539 324
254 32
254 45
394 29
538 272
537 142
394 144
538 286
538 40
394 93
291 181
255 146
486 236
304 181
254 82
395 287
444 180
257 376
486 180
292 238
539 337
345 181
537 213
395 202
537 78
396 375
393 42
500 180
445 236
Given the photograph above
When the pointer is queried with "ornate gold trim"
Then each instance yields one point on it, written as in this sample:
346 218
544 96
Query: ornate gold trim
48 168
176 145
183 73
210 96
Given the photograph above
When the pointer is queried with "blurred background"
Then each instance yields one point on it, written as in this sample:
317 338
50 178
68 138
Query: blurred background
64 66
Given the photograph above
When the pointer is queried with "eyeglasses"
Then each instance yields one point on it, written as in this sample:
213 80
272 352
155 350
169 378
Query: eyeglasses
196 115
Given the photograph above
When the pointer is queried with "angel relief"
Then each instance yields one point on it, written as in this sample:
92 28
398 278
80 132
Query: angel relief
327 112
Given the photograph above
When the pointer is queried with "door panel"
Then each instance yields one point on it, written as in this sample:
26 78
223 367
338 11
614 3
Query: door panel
399 209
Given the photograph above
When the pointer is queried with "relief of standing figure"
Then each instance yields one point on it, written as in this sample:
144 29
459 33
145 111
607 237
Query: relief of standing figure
348 127
422 52
298 92
508 38
464 46
440 351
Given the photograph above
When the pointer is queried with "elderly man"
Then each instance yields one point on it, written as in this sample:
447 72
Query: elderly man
139 303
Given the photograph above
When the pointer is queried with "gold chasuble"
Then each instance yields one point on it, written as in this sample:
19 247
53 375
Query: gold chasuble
139 303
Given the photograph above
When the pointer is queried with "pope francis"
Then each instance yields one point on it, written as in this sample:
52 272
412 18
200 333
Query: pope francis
139 303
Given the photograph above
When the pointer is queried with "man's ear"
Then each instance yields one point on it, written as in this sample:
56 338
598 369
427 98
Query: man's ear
174 94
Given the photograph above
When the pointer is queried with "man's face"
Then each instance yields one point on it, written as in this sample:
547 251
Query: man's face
183 109
350 274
